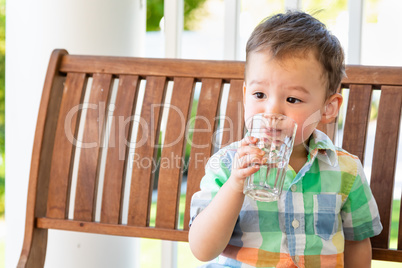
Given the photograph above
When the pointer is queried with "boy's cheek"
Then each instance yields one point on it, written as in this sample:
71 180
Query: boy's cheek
248 112
306 124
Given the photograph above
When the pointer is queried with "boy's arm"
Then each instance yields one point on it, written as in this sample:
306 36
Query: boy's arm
357 253
212 229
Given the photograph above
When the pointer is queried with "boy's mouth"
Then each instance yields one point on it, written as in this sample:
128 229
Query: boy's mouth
272 132
269 133
270 136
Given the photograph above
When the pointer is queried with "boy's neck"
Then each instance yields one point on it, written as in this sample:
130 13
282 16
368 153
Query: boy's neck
298 157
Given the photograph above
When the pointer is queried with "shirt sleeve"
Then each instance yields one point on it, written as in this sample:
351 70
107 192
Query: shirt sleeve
360 215
217 172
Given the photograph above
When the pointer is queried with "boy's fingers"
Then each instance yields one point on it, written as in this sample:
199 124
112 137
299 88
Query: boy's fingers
247 155
248 140
249 159
245 172
249 150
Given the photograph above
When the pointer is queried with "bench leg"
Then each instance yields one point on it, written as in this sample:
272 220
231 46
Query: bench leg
34 249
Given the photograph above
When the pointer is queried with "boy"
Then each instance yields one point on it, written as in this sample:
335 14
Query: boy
326 212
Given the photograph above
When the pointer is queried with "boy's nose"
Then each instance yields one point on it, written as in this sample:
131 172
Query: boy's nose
273 108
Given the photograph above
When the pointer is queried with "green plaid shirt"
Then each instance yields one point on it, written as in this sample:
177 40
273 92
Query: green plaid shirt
328 201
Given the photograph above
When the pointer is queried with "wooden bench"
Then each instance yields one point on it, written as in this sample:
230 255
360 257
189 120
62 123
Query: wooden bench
70 109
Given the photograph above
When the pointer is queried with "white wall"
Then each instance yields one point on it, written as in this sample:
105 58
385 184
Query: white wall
34 29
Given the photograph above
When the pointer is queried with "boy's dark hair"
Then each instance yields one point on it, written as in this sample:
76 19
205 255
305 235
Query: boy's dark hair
297 33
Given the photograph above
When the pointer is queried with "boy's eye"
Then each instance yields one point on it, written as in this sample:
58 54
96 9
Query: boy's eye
259 95
293 100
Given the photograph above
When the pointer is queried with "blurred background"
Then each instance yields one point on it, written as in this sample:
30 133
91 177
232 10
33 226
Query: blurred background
369 30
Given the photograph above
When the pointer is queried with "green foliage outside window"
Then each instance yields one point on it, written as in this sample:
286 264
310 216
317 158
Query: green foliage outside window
192 10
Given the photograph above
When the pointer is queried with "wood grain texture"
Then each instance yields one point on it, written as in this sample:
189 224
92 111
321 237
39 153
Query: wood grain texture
154 67
172 158
117 154
201 144
387 255
91 148
65 138
356 121
356 74
377 76
143 162
113 229
35 241
384 160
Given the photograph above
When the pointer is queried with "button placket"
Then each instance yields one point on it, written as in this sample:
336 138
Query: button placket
295 224
293 188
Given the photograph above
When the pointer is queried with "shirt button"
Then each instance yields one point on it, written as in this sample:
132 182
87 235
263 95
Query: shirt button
293 188
297 259
295 223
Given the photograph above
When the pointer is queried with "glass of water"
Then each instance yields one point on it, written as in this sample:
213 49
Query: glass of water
275 134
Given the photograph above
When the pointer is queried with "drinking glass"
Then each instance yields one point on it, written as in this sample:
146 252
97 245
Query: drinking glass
275 134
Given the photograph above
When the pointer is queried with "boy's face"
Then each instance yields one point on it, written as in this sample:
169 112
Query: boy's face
293 86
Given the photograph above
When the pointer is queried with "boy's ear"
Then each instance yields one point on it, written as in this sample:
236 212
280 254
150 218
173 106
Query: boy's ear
331 108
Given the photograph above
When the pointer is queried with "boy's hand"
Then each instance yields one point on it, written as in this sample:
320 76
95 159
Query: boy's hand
242 163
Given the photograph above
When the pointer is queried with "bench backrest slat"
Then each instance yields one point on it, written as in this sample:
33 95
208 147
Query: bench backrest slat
201 144
64 146
145 148
89 160
356 124
376 76
118 149
172 158
153 67
384 160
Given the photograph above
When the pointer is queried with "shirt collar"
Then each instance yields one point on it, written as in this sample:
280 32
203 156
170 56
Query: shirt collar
322 148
